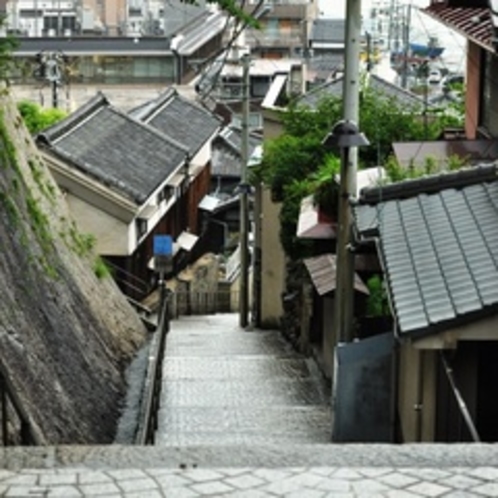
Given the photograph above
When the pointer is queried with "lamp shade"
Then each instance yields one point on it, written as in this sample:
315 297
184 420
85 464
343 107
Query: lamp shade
344 134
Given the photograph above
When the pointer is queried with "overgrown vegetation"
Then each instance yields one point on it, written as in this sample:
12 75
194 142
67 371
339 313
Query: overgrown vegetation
296 164
38 118
377 304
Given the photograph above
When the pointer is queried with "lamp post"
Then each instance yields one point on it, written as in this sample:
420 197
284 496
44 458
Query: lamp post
344 135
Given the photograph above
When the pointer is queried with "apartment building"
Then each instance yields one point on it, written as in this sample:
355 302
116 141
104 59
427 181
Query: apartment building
285 27
56 18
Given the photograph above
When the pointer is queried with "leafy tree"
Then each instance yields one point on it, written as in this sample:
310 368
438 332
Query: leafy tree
294 161
38 118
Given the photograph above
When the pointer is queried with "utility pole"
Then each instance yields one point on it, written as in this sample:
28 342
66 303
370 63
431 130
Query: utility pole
406 46
343 310
244 194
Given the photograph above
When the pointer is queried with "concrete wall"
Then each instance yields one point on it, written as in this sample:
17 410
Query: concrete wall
272 263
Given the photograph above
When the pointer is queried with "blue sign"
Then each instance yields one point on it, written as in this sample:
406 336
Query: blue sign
163 245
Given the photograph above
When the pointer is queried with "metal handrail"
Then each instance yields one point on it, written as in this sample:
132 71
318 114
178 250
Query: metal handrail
139 285
147 423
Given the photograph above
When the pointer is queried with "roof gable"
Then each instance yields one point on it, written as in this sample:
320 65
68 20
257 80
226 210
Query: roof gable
472 22
375 84
115 149
179 118
439 243
226 151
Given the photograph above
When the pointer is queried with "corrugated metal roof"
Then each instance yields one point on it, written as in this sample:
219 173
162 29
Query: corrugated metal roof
474 23
323 272
439 243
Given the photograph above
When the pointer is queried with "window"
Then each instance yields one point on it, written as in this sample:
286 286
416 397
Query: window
141 225
165 194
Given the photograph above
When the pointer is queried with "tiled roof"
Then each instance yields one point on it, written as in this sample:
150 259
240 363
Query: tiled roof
328 30
375 84
179 118
225 154
474 23
117 150
439 244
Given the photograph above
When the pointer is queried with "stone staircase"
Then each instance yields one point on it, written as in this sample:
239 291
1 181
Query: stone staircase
223 385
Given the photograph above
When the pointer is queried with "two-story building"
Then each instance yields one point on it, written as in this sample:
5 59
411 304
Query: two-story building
477 21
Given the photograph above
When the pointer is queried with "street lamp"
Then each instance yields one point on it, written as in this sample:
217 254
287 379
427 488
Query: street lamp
344 135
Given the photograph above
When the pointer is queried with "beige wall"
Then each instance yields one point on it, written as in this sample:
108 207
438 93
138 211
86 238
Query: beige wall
329 337
111 234
416 393
110 12
417 376
114 15
272 263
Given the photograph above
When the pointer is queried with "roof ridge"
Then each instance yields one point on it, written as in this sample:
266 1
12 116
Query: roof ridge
151 128
429 184
398 88
54 132
158 102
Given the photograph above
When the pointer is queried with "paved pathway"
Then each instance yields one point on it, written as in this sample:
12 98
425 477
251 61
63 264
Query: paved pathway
245 416
225 385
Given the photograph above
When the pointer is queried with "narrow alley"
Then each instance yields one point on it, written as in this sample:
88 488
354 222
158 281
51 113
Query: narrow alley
225 385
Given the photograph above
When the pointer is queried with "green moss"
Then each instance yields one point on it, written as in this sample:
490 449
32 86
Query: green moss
39 223
9 156
82 244
100 268
10 208
46 188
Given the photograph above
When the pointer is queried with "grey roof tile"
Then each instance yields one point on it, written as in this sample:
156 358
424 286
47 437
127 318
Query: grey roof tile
177 117
122 153
376 84
226 149
328 30
439 243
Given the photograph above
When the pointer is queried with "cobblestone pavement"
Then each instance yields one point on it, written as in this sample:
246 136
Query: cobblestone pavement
245 416
131 472
226 385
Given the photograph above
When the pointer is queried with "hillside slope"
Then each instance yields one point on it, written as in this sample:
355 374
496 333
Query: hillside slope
66 336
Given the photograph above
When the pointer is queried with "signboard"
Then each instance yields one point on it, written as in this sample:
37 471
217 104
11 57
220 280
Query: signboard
163 245
163 253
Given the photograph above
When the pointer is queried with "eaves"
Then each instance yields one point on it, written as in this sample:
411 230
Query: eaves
99 195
